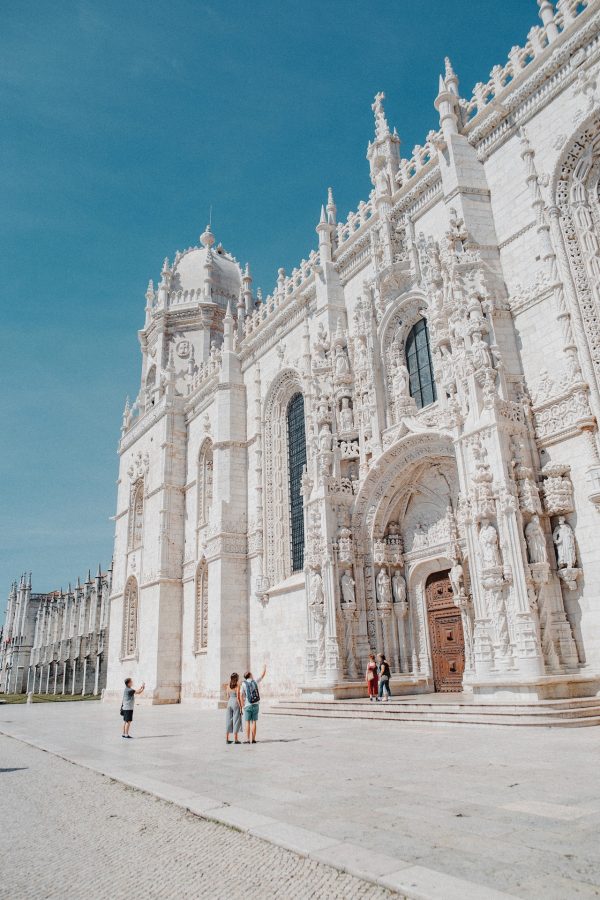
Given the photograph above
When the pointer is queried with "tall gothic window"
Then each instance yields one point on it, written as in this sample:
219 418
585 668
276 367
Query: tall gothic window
150 386
136 515
130 618
205 482
418 363
201 611
296 464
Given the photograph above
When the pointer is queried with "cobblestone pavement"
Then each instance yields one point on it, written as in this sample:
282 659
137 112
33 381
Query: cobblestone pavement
68 832
450 812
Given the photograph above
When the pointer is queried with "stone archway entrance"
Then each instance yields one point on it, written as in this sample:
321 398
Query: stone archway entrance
446 636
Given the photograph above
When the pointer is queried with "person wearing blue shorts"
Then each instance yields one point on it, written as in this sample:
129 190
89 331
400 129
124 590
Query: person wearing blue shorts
251 700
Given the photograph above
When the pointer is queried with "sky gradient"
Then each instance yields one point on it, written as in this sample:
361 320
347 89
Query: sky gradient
123 124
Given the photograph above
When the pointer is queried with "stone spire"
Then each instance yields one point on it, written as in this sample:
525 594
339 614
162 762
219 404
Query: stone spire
331 208
228 329
446 102
126 414
247 289
164 283
450 77
324 232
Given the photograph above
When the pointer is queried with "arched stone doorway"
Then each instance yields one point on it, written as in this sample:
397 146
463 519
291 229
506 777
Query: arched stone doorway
410 538
446 637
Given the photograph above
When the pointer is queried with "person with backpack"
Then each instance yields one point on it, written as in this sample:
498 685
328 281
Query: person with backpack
250 700
384 678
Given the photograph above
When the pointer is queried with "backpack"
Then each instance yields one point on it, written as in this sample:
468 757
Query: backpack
252 692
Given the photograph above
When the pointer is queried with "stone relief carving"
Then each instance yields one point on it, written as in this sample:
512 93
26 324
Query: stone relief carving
140 462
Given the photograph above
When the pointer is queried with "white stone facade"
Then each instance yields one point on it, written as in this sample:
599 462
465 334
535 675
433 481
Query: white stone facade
475 263
56 643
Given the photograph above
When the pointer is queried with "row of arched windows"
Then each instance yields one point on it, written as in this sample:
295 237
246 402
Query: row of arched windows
129 638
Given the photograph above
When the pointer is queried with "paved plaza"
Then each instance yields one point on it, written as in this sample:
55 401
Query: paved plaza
96 838
431 811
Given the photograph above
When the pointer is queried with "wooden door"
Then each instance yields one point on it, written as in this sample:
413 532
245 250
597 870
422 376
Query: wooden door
445 634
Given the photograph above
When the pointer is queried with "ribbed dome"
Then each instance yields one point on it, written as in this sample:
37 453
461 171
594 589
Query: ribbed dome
193 267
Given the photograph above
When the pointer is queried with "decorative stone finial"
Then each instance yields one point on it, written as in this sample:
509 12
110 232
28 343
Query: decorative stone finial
207 238
381 126
331 207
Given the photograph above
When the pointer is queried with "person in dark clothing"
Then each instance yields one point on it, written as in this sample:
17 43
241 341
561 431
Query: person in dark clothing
384 678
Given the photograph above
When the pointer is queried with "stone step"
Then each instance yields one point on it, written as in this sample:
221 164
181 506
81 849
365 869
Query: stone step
588 706
474 714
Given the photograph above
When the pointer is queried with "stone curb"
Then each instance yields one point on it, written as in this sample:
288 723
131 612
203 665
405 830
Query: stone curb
408 881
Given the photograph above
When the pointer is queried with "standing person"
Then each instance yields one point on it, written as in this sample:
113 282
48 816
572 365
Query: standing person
384 678
250 701
234 708
127 705
372 677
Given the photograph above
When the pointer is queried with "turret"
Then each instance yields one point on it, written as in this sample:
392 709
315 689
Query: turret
149 303
324 232
247 289
228 330
446 102
164 284
207 240
546 14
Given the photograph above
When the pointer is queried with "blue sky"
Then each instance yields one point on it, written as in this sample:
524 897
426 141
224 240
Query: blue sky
123 123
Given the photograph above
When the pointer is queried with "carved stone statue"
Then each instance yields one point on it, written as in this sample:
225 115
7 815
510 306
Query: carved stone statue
400 380
320 347
360 353
317 596
342 366
346 415
348 595
382 184
384 589
482 357
325 438
488 543
564 540
457 579
398 587
536 541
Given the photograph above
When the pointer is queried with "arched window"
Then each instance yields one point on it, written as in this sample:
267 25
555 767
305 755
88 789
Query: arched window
296 464
151 386
418 363
205 482
136 515
130 618
201 612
